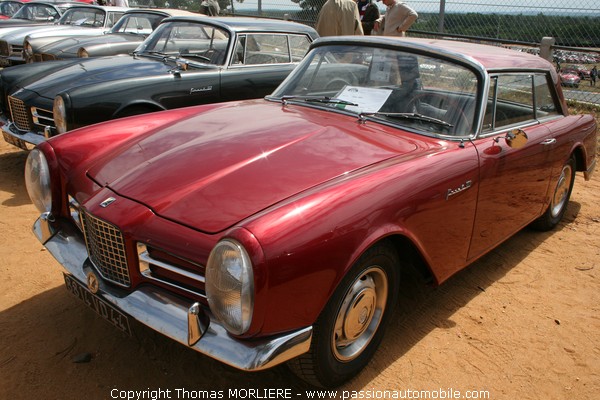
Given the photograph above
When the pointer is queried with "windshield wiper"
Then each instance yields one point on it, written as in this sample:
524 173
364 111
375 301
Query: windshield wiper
318 99
415 116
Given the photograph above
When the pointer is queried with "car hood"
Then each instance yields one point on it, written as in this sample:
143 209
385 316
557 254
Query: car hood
73 44
217 168
96 70
17 36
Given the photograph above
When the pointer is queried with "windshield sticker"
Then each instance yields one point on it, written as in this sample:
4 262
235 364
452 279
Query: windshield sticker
368 99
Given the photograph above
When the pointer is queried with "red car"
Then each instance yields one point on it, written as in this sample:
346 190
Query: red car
276 230
569 77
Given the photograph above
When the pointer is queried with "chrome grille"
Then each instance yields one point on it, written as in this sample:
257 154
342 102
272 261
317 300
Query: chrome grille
19 114
42 117
106 249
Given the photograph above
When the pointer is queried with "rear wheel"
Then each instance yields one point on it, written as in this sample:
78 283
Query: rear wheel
560 198
350 328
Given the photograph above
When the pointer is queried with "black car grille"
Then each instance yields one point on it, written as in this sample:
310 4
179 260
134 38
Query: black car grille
19 113
106 249
4 48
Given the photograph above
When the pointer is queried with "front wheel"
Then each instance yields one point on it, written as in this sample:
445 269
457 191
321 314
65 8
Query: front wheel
350 328
560 198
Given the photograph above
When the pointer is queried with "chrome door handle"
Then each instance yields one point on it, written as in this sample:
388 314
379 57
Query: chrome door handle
548 141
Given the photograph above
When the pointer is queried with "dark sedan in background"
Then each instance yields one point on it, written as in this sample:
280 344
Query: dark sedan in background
185 61
127 34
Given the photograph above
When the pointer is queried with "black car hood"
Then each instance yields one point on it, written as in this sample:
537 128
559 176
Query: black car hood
73 44
98 70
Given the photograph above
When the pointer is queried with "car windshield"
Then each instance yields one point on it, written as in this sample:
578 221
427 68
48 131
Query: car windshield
37 12
418 91
90 17
189 41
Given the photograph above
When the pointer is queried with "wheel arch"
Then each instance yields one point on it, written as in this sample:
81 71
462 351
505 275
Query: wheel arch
137 108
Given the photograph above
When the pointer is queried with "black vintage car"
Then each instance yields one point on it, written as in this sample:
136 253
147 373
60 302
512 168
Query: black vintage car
185 61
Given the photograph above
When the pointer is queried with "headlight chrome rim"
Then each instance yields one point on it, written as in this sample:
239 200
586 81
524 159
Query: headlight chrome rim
230 286
37 181
59 112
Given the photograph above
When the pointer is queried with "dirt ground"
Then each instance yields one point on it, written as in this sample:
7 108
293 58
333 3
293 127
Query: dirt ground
521 323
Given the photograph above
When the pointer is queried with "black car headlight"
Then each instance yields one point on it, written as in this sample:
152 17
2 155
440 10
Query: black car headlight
230 286
59 111
37 181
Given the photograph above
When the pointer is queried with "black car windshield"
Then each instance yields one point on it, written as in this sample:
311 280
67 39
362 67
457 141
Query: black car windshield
195 42
397 87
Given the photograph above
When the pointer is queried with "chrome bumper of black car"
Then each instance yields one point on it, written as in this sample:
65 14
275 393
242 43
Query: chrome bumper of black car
184 322
23 140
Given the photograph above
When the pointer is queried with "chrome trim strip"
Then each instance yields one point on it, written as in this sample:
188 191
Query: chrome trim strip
145 258
168 314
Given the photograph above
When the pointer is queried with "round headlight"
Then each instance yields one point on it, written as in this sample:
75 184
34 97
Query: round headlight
82 53
59 111
37 181
28 50
230 286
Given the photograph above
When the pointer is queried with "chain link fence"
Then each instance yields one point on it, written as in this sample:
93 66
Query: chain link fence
575 27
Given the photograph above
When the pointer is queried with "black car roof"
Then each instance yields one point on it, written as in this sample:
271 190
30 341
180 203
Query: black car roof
249 24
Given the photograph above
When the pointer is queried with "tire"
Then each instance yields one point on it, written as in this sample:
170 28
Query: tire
559 200
350 328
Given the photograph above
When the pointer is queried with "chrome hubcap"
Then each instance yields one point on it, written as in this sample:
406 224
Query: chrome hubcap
562 190
360 314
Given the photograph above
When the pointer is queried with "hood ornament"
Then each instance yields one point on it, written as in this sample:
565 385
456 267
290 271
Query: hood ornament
107 202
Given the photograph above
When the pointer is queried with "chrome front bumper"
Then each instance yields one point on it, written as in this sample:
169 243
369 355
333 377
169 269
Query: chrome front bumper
172 316
20 139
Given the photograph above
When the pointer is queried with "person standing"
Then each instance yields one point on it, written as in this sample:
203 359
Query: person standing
593 76
369 13
398 17
339 17
210 8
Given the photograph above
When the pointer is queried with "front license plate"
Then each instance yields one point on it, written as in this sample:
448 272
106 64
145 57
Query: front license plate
102 308
14 141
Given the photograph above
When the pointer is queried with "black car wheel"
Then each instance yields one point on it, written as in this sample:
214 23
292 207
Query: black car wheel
350 328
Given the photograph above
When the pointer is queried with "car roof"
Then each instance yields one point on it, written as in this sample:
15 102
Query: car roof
249 24
486 56
162 11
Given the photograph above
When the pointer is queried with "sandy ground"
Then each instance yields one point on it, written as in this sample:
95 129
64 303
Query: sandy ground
521 323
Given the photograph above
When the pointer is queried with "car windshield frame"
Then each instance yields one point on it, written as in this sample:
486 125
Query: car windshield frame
66 18
423 92
120 26
191 42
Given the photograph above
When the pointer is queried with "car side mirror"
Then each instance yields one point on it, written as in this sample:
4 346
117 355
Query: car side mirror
515 138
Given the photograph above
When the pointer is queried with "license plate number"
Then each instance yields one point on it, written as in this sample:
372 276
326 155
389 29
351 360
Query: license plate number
101 307
14 141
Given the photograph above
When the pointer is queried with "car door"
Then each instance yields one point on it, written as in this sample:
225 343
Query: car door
513 180
260 62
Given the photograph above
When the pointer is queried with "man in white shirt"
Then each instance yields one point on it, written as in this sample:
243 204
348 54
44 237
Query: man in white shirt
398 17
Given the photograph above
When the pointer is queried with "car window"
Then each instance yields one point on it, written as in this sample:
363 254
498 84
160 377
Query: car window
113 17
408 89
253 49
518 99
137 23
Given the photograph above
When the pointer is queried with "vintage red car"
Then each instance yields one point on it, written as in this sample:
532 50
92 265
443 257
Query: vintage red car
276 230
